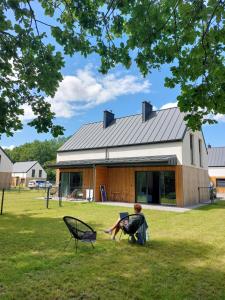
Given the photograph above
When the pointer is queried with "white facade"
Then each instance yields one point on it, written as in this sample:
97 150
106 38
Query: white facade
5 163
217 172
37 167
180 149
186 151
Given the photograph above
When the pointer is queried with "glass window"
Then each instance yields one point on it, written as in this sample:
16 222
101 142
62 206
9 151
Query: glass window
167 188
220 182
71 183
40 173
33 173
200 152
192 148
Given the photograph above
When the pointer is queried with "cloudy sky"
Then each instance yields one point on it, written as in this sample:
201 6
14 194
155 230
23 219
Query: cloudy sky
84 94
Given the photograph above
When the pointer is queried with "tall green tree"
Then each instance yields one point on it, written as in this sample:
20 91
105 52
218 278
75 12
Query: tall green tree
187 35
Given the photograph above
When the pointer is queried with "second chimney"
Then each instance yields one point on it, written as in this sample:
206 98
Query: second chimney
146 110
108 118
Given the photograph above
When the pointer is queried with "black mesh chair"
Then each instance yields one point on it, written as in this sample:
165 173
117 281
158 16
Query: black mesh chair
130 225
80 231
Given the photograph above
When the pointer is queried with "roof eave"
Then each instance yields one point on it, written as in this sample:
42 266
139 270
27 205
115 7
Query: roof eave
120 146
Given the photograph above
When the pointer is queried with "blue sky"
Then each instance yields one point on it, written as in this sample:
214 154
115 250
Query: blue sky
84 94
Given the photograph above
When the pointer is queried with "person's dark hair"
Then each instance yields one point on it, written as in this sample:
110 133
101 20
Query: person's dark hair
137 207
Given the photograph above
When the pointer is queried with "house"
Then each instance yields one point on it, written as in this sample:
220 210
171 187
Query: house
24 171
6 166
217 168
150 157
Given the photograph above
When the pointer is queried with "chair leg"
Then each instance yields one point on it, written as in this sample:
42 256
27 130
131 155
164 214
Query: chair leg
67 244
76 244
92 245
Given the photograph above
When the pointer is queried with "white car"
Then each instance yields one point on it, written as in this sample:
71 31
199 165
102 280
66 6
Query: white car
35 184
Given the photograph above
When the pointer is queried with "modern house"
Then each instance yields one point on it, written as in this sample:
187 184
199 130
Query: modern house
217 168
150 157
6 166
24 171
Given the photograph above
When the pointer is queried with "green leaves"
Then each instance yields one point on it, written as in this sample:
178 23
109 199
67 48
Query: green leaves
187 35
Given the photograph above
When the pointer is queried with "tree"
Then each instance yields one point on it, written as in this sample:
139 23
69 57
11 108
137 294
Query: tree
188 35
44 152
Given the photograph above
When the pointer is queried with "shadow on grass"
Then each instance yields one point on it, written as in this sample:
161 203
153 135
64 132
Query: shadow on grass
220 204
34 265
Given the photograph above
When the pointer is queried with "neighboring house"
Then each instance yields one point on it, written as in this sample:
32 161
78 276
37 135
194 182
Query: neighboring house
150 157
217 167
25 171
6 166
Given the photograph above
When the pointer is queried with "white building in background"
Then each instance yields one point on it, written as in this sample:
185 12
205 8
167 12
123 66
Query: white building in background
6 166
217 168
25 171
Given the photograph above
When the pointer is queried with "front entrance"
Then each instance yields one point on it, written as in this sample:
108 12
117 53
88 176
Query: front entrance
155 187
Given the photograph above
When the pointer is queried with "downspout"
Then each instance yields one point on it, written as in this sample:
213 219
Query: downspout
94 182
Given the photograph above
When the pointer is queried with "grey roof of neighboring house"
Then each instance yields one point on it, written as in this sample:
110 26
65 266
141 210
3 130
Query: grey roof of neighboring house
23 166
163 126
216 157
170 160
5 154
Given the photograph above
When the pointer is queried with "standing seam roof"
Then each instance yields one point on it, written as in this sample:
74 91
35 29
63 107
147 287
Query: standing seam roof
162 126
216 157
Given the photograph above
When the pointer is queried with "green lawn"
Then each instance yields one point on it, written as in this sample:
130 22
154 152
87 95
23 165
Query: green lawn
185 258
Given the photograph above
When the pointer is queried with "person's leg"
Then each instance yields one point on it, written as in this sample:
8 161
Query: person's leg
110 230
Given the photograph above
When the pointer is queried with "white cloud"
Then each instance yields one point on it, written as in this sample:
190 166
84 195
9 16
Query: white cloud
85 90
9 147
169 105
219 118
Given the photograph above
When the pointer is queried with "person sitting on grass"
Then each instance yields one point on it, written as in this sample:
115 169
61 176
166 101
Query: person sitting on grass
127 224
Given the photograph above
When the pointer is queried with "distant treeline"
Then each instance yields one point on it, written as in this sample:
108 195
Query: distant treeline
44 152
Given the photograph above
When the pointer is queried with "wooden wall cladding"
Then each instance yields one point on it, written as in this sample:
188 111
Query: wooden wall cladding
120 182
192 179
5 180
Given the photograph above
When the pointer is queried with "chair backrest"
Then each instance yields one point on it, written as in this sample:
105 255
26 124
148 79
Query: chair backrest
77 227
135 221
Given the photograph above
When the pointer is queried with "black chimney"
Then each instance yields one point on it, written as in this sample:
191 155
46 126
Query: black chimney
108 118
146 110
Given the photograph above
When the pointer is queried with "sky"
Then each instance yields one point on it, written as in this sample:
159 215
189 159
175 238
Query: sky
84 94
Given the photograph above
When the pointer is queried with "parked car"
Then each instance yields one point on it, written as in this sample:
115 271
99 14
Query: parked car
39 184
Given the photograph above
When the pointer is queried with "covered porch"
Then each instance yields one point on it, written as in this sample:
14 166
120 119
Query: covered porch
147 180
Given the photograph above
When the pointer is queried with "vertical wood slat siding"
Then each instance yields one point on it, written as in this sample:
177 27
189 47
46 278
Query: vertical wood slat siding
101 178
120 182
5 180
192 179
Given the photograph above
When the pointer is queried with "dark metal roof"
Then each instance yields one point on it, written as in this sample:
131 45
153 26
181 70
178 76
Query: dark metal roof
23 166
163 126
169 160
216 157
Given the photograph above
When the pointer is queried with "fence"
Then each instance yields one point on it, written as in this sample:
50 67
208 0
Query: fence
206 194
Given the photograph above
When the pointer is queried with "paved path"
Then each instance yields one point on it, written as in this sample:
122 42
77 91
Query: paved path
153 207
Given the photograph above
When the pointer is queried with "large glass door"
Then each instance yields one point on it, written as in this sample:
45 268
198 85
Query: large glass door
71 183
167 188
153 187
147 187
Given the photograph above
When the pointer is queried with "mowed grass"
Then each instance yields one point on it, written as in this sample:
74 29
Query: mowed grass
185 258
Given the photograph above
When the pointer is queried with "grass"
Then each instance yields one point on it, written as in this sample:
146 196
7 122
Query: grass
185 258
